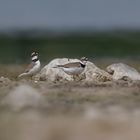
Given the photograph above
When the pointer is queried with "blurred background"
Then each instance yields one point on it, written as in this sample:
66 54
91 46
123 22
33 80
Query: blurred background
100 29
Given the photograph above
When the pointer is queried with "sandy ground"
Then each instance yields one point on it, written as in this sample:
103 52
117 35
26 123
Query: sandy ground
32 110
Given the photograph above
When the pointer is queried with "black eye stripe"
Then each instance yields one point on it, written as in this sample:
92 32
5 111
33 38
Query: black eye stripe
34 54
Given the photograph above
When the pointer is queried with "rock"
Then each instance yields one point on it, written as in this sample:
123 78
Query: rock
50 73
91 72
4 80
123 71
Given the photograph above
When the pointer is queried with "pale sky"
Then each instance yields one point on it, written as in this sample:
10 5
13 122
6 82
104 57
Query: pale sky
67 14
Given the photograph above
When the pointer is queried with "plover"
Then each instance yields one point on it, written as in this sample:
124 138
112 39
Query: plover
34 66
74 68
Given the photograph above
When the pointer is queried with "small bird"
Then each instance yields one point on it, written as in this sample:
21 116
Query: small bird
34 66
74 68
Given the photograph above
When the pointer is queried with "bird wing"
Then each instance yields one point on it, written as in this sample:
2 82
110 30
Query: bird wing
68 65
29 67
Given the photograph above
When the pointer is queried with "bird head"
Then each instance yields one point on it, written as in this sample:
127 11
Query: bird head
84 60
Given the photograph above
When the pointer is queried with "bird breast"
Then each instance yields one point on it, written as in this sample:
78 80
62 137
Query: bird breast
36 68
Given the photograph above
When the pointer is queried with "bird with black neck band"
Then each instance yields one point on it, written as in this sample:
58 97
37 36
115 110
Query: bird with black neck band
74 68
33 68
